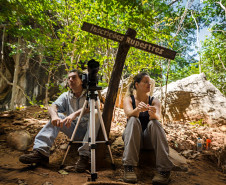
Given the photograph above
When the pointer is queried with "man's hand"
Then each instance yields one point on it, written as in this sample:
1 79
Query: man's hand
56 121
67 121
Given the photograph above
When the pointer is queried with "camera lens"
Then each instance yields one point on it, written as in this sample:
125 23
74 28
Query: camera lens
93 67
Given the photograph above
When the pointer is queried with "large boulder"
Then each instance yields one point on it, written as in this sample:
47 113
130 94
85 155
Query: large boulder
194 99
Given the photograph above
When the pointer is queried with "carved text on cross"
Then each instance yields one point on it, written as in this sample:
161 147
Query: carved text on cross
109 34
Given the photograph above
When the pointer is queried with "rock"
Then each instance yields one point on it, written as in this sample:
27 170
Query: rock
176 158
117 146
118 142
53 148
69 168
194 99
47 183
194 155
19 140
187 153
223 128
63 146
22 182
221 157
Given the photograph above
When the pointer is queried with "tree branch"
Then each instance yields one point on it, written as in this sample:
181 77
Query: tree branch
218 30
188 5
221 61
198 43
222 6
173 2
2 51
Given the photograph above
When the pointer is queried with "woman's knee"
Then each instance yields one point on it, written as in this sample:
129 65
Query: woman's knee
134 123
133 126
154 123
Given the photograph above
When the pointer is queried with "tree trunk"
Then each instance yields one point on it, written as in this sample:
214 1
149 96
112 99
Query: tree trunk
198 43
15 77
47 88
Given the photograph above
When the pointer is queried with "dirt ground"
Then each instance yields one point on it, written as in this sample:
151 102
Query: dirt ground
201 170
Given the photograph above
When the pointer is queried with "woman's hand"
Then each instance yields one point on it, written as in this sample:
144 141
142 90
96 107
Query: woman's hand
152 112
142 107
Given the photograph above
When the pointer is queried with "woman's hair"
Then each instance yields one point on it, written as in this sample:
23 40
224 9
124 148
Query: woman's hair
138 79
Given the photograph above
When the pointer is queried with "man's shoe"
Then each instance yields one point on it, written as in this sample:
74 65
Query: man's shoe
161 178
129 175
34 157
82 164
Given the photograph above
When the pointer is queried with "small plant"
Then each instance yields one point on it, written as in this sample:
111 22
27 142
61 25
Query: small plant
19 108
33 101
199 122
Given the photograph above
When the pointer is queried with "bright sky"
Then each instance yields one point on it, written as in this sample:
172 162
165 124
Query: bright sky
204 33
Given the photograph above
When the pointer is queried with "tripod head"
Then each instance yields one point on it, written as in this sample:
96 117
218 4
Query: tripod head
91 92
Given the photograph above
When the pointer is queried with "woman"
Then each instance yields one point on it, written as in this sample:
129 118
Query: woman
143 130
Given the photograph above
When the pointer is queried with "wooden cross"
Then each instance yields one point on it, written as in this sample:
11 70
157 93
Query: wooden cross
126 41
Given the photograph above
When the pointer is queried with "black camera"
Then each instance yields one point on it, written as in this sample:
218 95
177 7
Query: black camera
90 80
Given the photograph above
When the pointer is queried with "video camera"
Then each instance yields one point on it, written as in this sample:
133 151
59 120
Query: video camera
90 81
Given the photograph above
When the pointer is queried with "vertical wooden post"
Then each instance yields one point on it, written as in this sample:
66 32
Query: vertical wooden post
112 92
115 79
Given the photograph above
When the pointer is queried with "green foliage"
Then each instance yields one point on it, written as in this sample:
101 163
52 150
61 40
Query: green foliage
214 48
52 29
213 63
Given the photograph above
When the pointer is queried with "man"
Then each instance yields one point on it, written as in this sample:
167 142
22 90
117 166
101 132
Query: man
64 113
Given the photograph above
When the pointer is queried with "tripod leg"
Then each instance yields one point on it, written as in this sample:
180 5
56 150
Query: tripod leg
104 131
93 138
73 134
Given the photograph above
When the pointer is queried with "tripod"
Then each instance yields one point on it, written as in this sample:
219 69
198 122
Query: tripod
92 98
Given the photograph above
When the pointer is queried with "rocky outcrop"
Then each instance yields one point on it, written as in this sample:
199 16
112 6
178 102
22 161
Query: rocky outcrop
194 99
